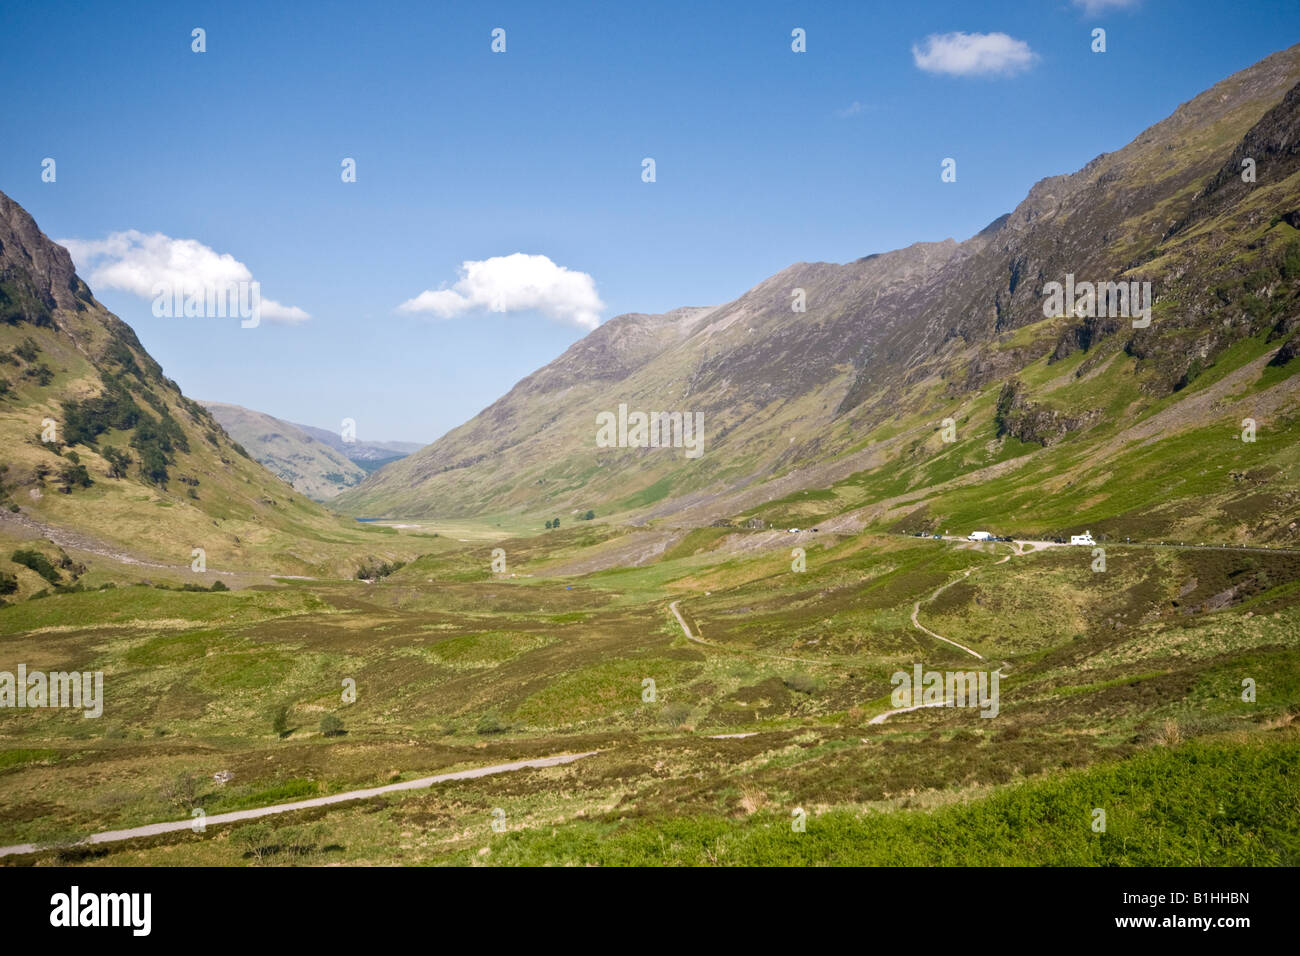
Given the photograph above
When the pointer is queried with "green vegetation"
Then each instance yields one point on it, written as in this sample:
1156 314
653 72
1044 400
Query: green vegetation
38 563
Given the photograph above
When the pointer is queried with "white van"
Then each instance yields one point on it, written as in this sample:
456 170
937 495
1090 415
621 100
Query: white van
1085 538
980 536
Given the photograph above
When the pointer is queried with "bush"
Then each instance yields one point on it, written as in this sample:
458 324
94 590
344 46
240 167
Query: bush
372 570
280 721
802 683
38 563
27 350
74 476
8 583
1290 267
219 586
182 791
490 724
118 462
676 714
42 373
256 840
331 726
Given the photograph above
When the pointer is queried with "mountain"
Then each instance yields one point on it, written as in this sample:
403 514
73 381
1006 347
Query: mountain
368 455
1060 420
311 466
103 453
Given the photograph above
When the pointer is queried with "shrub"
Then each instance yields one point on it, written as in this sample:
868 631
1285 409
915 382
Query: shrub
74 476
490 724
1290 267
372 570
802 683
38 563
219 586
331 726
676 714
256 840
118 462
280 721
42 373
8 583
182 791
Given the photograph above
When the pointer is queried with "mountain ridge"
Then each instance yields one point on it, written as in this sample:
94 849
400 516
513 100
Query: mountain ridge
920 327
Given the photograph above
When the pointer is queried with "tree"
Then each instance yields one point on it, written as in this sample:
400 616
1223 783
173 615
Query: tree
118 462
74 476
182 792
548 525
280 721
555 523
589 516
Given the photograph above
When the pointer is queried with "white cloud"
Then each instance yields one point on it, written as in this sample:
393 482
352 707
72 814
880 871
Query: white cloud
972 54
853 109
137 262
1092 7
515 283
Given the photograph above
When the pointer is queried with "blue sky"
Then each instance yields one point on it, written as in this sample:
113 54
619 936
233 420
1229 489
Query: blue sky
465 155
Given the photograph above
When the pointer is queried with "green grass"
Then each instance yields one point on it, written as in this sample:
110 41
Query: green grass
1203 804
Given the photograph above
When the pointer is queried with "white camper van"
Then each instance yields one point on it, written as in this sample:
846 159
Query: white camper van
980 536
1085 538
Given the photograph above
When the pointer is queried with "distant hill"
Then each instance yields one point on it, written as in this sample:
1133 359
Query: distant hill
367 455
310 465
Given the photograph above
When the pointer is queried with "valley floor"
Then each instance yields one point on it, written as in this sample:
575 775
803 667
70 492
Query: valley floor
729 708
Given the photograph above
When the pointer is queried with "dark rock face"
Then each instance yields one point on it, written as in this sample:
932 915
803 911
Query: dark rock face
1033 422
1290 348
36 275
1273 145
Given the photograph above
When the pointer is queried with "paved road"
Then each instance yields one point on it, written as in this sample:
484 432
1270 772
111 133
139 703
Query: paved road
154 829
